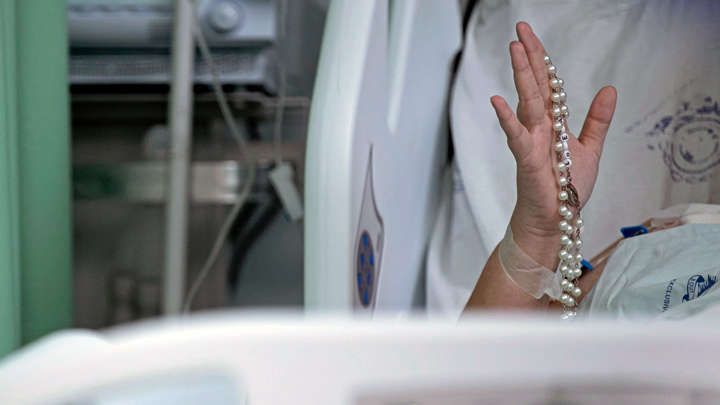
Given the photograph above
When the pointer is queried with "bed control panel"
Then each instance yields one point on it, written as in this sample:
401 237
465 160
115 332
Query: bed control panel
368 248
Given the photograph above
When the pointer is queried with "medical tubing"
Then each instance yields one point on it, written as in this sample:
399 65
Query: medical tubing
526 273
252 171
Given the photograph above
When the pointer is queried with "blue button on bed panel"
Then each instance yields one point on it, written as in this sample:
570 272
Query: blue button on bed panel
372 258
362 260
359 279
369 278
365 299
365 240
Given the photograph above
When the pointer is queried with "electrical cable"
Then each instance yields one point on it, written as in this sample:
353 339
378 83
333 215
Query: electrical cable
260 221
252 170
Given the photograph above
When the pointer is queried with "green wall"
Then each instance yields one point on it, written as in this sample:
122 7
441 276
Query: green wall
9 194
35 227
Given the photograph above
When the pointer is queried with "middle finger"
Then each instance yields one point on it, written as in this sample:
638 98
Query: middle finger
535 53
531 108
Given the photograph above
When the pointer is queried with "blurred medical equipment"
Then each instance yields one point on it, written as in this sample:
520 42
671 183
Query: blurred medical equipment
129 42
230 359
662 149
377 145
215 174
250 161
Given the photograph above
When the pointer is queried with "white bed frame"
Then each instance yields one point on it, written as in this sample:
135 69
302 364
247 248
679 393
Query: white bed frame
230 359
377 145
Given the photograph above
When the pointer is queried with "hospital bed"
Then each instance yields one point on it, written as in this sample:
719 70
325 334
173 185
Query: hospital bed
377 146
231 359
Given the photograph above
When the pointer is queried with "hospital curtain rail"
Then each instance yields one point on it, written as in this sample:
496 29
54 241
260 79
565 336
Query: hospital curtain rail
35 227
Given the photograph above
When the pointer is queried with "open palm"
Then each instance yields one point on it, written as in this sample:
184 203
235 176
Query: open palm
531 139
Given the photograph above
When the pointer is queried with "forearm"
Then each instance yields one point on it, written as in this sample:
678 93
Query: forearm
495 290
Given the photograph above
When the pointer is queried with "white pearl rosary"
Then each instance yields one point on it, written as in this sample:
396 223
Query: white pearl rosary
569 254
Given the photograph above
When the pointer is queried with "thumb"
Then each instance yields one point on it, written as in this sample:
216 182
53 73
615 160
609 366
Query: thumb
598 120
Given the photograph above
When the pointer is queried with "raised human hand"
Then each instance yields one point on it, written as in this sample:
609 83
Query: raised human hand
531 139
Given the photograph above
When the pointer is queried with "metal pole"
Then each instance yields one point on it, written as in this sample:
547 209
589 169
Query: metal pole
180 121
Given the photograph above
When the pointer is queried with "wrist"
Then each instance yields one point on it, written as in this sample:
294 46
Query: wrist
540 244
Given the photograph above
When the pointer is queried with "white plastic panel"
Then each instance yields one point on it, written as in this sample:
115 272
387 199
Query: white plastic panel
382 86
241 359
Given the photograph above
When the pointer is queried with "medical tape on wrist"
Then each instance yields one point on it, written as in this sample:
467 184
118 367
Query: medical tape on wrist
526 273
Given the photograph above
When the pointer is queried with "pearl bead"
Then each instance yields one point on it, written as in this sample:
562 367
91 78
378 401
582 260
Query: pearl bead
564 239
560 82
570 258
559 146
563 181
564 299
555 83
563 96
579 223
561 167
563 254
546 58
562 225
551 69
564 284
557 111
577 273
569 245
578 243
566 317
564 109
555 98
563 210
568 230
576 292
563 195
569 286
558 126
568 216
579 258
571 301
